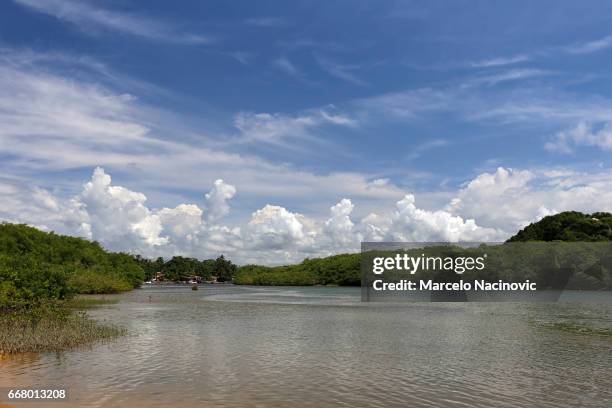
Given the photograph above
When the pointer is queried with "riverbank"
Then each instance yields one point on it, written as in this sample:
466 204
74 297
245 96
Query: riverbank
41 277
55 328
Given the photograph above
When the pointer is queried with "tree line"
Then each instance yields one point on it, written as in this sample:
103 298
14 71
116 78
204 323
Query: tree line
179 268
343 270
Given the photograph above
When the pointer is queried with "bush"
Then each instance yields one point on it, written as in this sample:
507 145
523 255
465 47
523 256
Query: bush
89 282
38 267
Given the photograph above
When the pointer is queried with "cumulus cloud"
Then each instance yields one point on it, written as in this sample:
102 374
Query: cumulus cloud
339 227
182 222
494 198
509 199
118 216
273 227
217 200
374 227
414 224
120 220
42 209
491 207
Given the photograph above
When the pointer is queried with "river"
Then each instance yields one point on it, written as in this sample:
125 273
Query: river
238 346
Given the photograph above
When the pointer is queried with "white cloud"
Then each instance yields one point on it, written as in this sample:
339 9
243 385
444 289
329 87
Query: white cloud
374 227
287 67
340 228
90 18
117 216
419 150
495 199
340 71
379 182
277 129
40 208
99 125
273 227
90 122
583 134
272 128
578 48
591 46
506 76
509 199
499 61
181 223
491 207
242 57
217 200
476 100
412 224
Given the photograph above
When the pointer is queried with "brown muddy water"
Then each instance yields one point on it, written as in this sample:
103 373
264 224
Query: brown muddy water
317 347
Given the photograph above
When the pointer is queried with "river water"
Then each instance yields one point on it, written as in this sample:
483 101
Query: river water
237 346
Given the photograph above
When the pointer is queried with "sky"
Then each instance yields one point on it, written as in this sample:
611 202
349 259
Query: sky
273 131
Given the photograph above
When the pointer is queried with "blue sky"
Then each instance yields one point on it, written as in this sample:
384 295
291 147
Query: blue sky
302 104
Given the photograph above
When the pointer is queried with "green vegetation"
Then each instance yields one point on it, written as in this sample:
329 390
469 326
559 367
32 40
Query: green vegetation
89 302
51 329
39 275
568 226
577 328
36 266
179 269
334 270
279 276
176 269
587 321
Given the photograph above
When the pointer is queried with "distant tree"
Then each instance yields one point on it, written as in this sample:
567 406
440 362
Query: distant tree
206 268
158 264
223 269
149 267
132 271
568 226
177 269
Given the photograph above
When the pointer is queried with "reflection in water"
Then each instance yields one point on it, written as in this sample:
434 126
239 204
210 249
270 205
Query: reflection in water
317 347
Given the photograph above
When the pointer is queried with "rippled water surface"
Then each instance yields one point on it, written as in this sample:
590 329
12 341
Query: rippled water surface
317 347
